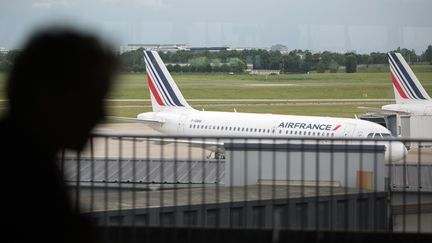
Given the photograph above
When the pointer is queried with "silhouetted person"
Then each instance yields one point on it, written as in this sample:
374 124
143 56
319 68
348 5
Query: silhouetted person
56 90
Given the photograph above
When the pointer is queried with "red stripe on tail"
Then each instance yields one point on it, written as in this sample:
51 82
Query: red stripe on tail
154 91
398 87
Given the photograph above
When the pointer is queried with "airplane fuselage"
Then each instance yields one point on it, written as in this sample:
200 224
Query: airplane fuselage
252 125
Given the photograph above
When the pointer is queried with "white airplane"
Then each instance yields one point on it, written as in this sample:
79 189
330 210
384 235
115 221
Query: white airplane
410 96
173 116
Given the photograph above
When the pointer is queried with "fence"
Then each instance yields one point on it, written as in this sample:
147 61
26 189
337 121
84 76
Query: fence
191 189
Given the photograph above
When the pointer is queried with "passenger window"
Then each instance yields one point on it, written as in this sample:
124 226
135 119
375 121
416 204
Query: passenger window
377 135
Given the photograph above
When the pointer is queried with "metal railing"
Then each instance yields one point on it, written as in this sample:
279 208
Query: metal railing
135 188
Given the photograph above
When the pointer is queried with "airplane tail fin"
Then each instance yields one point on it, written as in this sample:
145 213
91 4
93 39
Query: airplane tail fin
407 87
164 92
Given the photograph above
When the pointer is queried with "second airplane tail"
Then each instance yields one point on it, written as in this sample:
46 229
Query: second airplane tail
407 87
164 92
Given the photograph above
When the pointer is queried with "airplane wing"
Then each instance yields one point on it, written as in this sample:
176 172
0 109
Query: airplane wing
370 108
131 119
380 110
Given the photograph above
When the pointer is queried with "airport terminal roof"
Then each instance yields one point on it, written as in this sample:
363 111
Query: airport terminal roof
142 171
207 195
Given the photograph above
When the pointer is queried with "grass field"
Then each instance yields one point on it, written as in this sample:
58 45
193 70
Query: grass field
367 84
312 86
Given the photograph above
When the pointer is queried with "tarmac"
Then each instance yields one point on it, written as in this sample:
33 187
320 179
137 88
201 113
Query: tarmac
111 147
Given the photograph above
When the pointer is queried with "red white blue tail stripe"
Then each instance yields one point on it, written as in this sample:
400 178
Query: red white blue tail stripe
162 87
406 85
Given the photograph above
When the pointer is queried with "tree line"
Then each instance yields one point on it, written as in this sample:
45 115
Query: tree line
7 60
296 61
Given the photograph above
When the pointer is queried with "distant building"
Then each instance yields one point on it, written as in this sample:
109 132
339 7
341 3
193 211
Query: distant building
244 48
3 50
156 47
249 67
264 72
280 48
209 49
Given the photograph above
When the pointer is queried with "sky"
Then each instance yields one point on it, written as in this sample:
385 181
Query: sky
336 25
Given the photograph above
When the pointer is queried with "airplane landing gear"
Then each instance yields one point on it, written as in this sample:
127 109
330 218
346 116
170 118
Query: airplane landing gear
217 155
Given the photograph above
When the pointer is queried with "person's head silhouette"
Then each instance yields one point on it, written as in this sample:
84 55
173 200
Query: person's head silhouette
57 85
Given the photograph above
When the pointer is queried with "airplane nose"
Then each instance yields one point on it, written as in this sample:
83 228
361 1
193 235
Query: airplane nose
395 151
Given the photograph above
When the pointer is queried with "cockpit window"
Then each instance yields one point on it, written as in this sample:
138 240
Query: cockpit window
378 135
386 135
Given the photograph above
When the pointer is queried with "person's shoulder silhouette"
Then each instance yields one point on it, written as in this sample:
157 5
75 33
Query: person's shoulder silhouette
55 92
